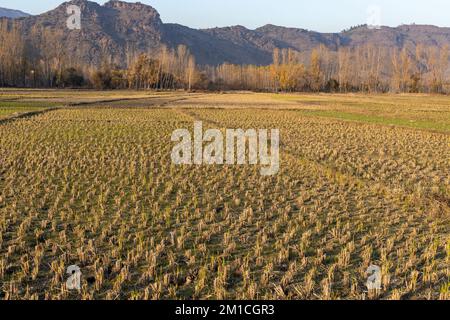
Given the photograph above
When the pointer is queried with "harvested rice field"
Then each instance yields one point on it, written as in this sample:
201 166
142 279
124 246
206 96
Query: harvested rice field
363 181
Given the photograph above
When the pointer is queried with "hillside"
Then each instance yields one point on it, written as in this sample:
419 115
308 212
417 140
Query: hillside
9 13
116 29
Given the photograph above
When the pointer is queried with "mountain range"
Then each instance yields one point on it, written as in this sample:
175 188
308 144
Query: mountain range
115 27
9 13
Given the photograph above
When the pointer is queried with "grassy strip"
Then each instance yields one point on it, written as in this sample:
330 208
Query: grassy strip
21 115
417 124
8 108
5 112
27 104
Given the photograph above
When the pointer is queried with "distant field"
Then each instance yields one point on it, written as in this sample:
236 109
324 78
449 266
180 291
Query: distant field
364 180
15 102
416 111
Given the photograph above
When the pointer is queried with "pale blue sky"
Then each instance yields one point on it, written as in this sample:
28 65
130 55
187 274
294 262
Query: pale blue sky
319 15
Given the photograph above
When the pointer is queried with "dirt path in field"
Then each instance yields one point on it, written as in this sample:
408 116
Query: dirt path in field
151 101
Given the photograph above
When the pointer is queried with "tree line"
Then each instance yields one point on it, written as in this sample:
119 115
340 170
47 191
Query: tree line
361 69
45 64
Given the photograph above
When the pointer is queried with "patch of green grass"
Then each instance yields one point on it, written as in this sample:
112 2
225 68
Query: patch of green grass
4 112
8 108
419 124
26 104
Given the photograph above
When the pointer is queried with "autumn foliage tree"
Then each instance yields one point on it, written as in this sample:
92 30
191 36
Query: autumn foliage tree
368 69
